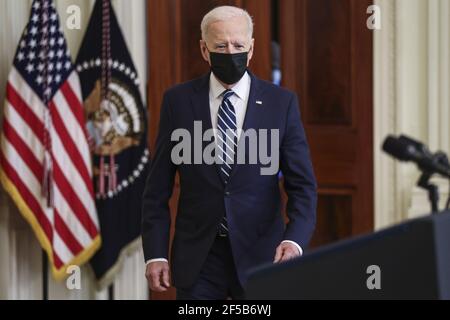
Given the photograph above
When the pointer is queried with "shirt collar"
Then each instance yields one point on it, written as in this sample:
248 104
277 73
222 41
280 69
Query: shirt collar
240 89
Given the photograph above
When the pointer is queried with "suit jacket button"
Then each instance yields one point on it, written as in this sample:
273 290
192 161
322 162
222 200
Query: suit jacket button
227 193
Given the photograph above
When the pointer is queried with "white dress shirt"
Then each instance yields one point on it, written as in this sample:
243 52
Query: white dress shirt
239 101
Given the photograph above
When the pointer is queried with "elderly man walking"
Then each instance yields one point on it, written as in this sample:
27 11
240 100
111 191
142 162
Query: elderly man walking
229 217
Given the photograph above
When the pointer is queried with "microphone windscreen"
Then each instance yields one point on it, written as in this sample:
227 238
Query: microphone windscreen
397 148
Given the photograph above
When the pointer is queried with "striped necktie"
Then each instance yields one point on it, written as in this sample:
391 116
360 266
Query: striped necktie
227 144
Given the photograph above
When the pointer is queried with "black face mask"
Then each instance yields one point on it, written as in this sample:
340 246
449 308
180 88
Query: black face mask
229 68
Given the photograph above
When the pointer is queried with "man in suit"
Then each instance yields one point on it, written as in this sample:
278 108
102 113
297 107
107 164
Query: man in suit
229 217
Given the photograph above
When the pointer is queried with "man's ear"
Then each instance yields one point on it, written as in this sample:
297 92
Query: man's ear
204 51
250 52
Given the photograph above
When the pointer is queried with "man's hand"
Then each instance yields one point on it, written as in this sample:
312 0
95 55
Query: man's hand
157 275
285 252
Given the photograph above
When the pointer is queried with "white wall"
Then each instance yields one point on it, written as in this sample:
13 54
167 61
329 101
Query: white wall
412 96
20 254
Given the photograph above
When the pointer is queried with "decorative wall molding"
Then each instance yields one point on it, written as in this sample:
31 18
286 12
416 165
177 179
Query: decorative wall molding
412 71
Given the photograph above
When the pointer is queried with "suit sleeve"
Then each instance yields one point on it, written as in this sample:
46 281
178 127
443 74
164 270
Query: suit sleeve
158 190
299 180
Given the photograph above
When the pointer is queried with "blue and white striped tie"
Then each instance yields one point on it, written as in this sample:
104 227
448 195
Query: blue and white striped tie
227 143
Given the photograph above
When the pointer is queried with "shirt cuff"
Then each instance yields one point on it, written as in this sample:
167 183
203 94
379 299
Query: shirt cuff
156 260
300 250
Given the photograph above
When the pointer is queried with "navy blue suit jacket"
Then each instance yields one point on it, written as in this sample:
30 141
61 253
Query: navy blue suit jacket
250 201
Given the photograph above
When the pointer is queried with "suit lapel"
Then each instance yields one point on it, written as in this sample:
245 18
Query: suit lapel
252 115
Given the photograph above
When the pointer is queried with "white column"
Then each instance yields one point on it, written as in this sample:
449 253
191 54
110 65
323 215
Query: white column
411 85
386 193
439 74
433 73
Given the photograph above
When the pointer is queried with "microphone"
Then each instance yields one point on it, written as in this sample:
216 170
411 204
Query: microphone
406 149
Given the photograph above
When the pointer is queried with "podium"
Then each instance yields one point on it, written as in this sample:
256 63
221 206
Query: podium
409 261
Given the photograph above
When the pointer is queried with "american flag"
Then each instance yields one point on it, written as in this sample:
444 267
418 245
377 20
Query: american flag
45 163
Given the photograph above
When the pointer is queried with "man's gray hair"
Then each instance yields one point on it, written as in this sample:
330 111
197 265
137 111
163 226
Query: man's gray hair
225 13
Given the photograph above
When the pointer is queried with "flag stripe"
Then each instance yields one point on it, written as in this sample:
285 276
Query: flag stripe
69 239
22 149
31 161
75 86
61 249
37 169
71 197
88 198
70 173
33 200
27 94
57 261
71 148
25 132
27 178
27 196
30 96
74 101
71 219
25 112
74 128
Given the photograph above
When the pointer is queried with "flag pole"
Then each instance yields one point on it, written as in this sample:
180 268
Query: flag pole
44 276
111 292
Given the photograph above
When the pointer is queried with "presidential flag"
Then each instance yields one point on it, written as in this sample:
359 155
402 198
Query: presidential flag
45 163
117 126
